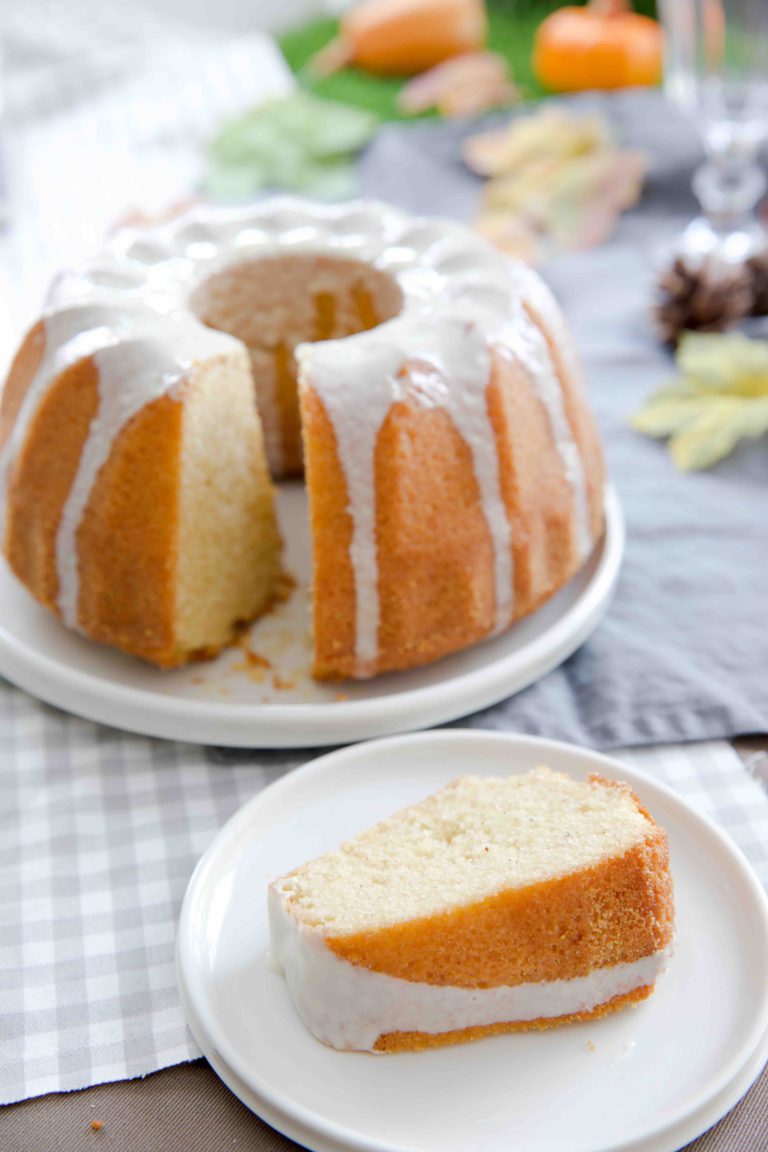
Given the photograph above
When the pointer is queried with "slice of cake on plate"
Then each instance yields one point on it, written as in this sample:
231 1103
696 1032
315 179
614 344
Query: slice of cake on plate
494 905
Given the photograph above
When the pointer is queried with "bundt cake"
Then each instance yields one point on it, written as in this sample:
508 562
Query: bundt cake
495 905
454 473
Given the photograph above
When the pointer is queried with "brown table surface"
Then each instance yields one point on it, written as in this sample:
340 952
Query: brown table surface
188 1109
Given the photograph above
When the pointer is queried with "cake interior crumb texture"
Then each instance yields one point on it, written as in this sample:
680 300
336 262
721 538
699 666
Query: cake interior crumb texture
229 546
475 838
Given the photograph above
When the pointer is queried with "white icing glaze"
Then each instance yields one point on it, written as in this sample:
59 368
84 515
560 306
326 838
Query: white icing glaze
349 1007
442 359
129 379
543 304
525 342
130 309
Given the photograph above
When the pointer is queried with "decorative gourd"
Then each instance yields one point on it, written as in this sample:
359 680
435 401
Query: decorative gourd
604 45
403 37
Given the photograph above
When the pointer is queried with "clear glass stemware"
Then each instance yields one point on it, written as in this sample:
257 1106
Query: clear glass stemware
716 71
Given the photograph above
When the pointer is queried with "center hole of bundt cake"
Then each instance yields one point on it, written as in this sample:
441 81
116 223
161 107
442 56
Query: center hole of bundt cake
276 302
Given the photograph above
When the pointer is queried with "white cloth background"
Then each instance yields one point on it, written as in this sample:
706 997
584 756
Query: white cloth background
108 108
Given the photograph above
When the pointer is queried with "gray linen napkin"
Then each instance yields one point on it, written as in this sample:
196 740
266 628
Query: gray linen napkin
683 651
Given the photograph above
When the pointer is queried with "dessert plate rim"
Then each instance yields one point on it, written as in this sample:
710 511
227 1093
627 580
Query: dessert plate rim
305 786
39 656
672 1139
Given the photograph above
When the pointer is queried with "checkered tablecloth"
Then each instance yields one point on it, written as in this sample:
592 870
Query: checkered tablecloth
99 833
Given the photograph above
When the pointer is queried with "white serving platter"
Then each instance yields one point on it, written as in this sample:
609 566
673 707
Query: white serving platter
238 701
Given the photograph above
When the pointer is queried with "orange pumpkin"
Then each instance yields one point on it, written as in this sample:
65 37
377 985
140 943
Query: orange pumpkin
403 37
604 45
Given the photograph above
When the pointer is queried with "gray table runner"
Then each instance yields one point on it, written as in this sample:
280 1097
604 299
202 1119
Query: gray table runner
682 653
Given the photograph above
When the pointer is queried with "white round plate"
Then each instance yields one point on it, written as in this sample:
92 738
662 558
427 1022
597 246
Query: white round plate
648 1079
265 696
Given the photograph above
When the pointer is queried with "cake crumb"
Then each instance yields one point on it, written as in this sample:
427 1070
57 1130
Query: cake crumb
590 1047
198 680
255 659
286 586
341 696
280 684
96 1125
255 674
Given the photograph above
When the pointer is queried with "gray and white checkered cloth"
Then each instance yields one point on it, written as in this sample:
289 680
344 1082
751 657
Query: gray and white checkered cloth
99 833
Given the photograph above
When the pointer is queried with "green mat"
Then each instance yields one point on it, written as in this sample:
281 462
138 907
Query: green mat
513 25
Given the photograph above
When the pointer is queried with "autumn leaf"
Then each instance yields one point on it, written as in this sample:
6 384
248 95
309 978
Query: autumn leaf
556 178
294 142
720 398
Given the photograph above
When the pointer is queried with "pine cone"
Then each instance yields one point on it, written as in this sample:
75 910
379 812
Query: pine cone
758 267
706 297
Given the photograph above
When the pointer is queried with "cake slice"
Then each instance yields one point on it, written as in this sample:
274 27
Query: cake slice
492 906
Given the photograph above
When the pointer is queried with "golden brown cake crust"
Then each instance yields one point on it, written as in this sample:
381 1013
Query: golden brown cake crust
43 475
548 931
616 912
435 558
536 493
128 592
331 529
435 555
583 426
418 1041
22 372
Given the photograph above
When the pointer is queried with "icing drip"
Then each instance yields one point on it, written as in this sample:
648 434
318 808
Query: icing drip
452 375
465 399
525 342
66 342
538 296
128 380
349 1007
70 335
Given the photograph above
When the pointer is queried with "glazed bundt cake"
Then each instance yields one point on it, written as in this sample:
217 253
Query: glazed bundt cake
492 906
425 382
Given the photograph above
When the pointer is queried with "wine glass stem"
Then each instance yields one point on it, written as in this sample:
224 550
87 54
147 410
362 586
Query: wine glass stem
728 190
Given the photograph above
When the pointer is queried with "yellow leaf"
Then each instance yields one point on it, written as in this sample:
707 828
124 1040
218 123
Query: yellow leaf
715 432
721 398
668 413
552 132
731 363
